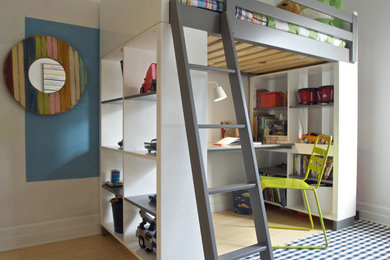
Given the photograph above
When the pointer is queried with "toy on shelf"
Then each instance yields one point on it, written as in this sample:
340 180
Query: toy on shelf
146 232
290 6
120 143
311 138
151 146
313 96
152 198
325 94
115 179
150 80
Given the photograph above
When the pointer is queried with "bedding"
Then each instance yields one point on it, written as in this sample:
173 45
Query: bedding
214 5
313 14
249 16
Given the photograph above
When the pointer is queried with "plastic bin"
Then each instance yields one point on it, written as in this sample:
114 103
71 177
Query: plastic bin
272 99
117 212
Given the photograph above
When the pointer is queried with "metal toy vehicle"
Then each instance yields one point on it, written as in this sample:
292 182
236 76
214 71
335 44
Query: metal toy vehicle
311 138
151 146
147 234
150 79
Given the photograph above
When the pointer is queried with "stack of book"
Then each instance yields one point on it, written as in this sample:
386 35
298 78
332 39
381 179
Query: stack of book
262 126
301 162
265 126
275 195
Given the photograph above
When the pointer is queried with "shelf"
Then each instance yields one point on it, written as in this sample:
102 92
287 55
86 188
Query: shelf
137 250
118 191
302 208
273 203
112 101
143 202
274 171
110 228
313 106
303 148
149 96
269 108
310 179
112 148
257 146
142 154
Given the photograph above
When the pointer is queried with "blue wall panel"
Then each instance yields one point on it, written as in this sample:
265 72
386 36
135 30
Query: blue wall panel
66 146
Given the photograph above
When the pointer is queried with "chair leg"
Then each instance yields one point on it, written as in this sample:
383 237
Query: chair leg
308 210
321 220
322 226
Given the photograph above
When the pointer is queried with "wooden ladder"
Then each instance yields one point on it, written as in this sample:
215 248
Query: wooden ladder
202 191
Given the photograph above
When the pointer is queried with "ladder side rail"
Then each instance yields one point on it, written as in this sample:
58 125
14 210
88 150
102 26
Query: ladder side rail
249 157
193 138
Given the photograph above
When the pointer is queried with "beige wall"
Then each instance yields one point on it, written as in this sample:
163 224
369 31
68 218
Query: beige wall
39 212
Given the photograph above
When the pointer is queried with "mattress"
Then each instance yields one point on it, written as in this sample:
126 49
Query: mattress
249 16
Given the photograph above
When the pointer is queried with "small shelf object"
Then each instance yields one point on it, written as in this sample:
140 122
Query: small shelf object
116 190
143 202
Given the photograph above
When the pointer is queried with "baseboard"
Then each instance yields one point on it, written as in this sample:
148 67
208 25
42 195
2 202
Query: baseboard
47 232
377 214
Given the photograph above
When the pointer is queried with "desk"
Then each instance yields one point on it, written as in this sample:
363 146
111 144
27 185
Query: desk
257 146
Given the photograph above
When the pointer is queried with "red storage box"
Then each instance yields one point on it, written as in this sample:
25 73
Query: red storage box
272 99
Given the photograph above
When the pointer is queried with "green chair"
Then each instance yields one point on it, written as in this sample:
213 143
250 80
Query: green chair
316 164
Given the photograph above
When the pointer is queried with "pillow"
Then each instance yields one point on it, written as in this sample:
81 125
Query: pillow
321 17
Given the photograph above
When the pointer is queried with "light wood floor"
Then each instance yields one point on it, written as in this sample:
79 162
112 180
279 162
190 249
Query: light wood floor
233 231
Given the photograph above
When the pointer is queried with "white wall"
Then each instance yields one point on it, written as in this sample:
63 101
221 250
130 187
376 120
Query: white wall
39 212
373 194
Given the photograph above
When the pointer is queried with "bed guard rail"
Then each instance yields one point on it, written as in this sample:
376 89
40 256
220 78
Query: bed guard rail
348 34
248 32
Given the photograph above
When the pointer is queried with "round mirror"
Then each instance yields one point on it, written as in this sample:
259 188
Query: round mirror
47 75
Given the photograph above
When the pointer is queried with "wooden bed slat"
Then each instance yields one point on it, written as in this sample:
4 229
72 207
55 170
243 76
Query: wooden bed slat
257 59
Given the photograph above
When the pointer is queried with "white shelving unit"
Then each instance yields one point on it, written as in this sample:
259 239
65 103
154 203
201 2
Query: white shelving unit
338 119
138 118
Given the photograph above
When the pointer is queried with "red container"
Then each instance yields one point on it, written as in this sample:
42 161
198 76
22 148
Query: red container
325 94
272 99
314 95
308 96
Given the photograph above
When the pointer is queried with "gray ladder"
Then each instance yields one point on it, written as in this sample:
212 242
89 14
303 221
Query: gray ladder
202 192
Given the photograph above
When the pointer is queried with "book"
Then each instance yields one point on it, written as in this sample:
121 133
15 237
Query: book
262 126
228 141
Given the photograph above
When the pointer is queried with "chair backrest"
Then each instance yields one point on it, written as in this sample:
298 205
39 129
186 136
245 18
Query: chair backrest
318 158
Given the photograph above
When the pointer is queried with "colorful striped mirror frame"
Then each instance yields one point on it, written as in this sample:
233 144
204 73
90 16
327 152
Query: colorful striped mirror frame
18 62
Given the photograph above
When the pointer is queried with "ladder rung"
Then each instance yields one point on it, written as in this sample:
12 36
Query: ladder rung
240 253
220 126
208 68
232 187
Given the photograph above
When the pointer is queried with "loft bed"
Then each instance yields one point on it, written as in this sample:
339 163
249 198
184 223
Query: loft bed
272 39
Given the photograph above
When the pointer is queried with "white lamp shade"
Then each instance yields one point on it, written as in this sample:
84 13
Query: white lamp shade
219 94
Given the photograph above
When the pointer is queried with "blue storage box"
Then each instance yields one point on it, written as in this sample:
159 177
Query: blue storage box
241 202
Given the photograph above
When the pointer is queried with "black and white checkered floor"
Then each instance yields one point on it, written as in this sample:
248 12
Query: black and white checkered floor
363 240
